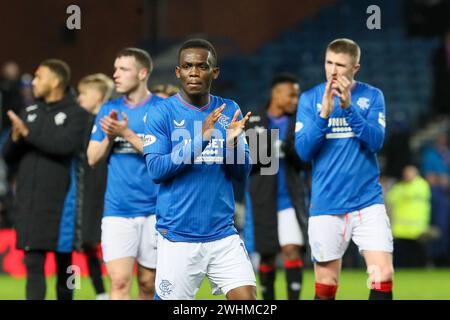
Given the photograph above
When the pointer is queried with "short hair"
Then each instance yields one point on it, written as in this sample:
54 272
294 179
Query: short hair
60 68
202 44
141 56
347 46
284 78
168 89
101 82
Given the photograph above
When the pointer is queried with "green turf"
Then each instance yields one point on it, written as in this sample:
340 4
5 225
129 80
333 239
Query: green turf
408 284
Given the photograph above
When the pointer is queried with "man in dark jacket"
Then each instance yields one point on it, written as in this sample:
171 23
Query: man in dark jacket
44 140
276 191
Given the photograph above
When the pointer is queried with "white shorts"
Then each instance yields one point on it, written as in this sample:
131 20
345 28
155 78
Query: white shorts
182 266
329 235
289 231
130 237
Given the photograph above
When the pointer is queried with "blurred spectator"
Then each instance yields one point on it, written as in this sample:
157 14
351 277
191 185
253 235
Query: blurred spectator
27 89
165 90
11 98
427 17
441 73
409 204
4 198
397 148
436 160
436 169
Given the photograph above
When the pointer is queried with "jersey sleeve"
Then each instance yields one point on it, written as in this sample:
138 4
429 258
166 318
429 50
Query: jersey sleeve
238 162
310 128
163 160
156 134
369 131
97 133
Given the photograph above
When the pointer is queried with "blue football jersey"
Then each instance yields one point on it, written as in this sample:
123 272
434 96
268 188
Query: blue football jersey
195 201
342 149
129 190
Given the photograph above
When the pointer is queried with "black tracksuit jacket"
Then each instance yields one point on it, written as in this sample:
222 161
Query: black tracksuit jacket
44 158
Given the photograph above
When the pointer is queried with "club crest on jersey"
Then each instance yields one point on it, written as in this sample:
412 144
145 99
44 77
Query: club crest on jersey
60 117
179 124
224 121
149 140
298 126
31 117
363 103
94 129
319 107
166 287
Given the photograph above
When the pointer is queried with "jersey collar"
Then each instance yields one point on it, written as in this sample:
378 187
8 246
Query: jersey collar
140 104
200 109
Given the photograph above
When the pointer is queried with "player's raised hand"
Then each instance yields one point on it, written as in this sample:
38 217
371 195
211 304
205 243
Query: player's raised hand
210 121
19 129
327 101
114 114
235 128
112 127
342 91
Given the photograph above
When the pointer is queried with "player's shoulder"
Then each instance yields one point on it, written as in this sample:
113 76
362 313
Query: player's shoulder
368 88
163 104
160 107
112 104
317 90
221 100
155 99
231 105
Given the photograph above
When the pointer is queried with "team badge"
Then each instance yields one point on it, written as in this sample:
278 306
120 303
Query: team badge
31 117
166 287
363 103
60 118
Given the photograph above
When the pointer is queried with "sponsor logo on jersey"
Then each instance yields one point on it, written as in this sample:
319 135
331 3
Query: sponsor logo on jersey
212 152
363 103
123 146
339 129
179 124
149 140
31 117
31 108
60 118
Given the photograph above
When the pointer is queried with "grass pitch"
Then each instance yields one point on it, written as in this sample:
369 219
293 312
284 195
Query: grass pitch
408 284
